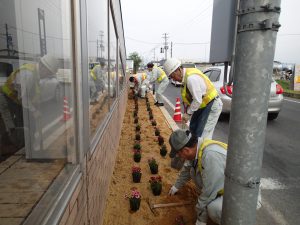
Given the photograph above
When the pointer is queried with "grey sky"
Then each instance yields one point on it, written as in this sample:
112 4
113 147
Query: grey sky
188 25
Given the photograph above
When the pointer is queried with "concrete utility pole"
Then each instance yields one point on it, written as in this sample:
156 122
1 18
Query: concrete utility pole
165 37
255 47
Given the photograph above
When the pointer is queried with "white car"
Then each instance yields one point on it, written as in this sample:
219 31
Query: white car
216 75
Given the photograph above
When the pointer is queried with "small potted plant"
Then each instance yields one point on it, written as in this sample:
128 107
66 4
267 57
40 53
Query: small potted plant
153 122
179 220
137 155
136 119
157 131
151 117
137 136
138 127
134 113
156 185
153 165
137 146
134 199
136 174
160 140
163 150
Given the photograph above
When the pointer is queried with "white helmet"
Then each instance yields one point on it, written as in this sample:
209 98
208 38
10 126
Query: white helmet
171 65
50 63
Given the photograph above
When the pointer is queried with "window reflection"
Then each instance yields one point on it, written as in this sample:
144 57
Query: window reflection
98 63
113 59
36 85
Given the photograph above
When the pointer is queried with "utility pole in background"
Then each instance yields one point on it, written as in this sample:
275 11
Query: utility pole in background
255 47
171 49
165 37
153 54
100 45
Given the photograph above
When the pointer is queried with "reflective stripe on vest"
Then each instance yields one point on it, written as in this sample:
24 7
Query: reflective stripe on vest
162 74
204 144
211 91
8 89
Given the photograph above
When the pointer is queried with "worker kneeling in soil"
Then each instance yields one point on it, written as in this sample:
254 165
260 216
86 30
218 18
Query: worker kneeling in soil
139 83
205 162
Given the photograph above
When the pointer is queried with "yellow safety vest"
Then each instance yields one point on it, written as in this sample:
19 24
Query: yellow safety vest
205 143
211 91
144 76
162 74
93 74
8 89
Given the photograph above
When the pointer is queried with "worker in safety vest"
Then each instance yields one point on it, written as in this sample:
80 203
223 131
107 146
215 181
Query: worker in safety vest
156 74
99 75
139 83
205 162
200 97
22 91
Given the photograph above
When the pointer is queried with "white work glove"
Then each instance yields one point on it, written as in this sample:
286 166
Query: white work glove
200 223
173 190
186 117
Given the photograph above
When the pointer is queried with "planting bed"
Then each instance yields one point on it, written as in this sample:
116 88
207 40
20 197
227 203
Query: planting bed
117 206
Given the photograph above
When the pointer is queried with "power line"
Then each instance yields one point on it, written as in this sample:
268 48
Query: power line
195 43
144 42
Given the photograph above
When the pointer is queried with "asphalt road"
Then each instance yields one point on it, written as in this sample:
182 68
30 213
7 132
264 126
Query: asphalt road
280 174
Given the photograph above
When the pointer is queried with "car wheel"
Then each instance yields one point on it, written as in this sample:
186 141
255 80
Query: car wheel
272 116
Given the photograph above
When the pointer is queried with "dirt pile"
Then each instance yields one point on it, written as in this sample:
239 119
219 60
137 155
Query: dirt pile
117 206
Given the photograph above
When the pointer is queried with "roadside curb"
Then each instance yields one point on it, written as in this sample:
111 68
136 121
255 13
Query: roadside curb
291 95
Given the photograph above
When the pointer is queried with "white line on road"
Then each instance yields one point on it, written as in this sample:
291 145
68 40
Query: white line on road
277 216
271 184
289 100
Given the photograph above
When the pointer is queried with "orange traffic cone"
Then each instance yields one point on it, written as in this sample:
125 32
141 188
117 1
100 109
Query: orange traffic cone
67 114
177 113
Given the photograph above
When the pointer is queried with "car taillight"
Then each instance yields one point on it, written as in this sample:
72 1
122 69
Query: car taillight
229 89
279 89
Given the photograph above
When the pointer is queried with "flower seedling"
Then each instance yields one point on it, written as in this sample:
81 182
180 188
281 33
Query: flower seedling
160 140
138 127
137 137
157 131
153 123
136 174
135 114
153 165
163 151
179 220
137 147
137 155
156 184
134 199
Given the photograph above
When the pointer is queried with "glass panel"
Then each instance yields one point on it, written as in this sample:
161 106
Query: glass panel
113 59
36 102
36 86
121 73
98 62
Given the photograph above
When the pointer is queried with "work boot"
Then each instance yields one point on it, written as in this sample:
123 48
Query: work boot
160 104
156 103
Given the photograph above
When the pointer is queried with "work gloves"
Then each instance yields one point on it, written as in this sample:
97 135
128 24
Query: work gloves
186 117
173 190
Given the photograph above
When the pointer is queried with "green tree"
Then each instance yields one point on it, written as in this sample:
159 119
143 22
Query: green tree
136 61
